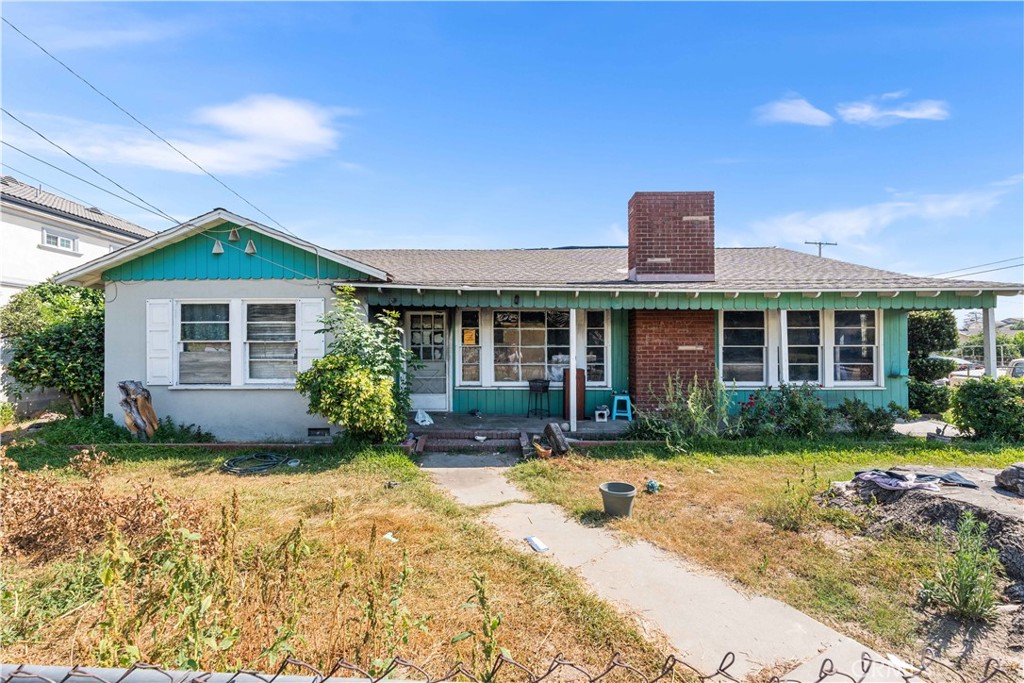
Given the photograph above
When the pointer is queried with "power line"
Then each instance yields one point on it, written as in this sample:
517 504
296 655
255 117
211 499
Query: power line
990 270
79 178
91 168
155 134
990 263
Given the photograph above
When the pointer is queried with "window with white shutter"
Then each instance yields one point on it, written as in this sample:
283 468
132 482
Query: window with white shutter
159 342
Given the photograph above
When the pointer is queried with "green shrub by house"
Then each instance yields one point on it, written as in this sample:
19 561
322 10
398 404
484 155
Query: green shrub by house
927 333
790 410
867 421
360 383
990 408
928 397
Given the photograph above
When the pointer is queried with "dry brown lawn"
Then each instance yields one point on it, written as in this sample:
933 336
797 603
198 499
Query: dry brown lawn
54 606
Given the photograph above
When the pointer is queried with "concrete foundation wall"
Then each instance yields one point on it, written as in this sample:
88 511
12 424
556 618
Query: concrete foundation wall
231 413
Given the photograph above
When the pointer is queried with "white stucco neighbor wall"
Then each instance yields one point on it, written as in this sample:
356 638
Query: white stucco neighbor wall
230 413
25 260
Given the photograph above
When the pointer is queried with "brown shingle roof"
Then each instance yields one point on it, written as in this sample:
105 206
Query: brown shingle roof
737 269
22 193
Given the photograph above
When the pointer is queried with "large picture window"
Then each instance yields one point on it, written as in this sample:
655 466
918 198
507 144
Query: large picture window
204 355
744 344
530 345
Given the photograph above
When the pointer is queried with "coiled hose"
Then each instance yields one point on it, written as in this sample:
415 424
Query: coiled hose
255 463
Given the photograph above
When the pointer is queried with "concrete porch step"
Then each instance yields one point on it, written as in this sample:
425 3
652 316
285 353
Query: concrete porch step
465 441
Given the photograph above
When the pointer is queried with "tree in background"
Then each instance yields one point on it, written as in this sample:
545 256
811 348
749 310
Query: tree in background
55 337
927 333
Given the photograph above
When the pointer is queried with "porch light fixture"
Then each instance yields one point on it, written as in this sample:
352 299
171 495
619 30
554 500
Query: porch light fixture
250 248
218 248
233 235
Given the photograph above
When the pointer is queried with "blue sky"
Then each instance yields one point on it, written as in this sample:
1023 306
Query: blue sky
896 130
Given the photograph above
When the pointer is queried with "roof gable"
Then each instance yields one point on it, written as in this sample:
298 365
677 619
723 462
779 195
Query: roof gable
186 252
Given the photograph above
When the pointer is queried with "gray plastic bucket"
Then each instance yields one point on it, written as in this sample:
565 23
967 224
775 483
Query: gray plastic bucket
618 498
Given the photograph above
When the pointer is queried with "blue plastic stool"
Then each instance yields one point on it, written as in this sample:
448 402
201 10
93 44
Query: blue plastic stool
626 411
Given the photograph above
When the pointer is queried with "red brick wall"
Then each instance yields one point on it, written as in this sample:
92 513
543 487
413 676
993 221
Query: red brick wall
672 236
655 338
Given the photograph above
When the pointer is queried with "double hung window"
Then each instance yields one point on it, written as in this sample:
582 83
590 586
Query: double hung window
744 347
270 342
855 349
803 346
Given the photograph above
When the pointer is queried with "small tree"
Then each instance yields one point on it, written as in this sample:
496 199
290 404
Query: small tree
55 336
928 332
360 383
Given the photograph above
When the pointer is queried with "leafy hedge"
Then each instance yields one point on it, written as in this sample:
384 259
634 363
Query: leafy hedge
931 369
990 408
927 397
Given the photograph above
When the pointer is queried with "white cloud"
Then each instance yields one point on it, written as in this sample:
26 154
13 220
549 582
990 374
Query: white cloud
855 227
793 109
253 135
869 111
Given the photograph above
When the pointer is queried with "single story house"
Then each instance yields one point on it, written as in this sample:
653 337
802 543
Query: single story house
218 314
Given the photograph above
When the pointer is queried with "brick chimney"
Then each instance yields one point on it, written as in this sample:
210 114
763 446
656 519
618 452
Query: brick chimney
672 237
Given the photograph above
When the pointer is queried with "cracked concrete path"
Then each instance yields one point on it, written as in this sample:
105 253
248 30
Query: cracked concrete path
702 615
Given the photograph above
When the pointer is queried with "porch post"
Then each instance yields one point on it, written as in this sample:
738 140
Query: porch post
572 370
988 318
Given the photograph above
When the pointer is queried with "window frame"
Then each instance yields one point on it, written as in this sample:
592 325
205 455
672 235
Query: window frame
59 235
770 369
784 367
237 341
459 381
777 369
247 343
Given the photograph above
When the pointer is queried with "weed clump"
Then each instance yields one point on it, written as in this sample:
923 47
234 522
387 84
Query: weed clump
965 582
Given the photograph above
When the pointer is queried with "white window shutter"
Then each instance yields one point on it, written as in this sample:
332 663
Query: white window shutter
159 341
311 344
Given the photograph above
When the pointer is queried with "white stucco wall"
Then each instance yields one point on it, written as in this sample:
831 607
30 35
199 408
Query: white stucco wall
25 260
232 414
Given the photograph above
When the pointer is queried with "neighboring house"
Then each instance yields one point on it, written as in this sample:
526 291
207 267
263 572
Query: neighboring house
217 315
42 234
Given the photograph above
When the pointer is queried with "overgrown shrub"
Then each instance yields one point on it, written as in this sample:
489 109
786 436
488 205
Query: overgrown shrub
698 409
867 421
990 408
927 397
360 383
931 369
791 410
965 581
7 417
55 336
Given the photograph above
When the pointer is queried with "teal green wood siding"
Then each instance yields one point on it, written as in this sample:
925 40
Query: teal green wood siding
669 300
193 259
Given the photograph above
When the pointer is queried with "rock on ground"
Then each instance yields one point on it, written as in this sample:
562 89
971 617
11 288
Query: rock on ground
1012 478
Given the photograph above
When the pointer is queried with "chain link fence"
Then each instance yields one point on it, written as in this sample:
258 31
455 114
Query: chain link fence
869 669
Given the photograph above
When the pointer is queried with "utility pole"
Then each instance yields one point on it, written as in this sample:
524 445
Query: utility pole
823 244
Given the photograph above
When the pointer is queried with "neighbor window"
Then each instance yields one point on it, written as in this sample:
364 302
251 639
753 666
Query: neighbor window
205 349
803 346
271 345
58 241
856 348
744 342
530 345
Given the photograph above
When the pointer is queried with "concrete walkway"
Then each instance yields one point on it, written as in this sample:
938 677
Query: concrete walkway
702 615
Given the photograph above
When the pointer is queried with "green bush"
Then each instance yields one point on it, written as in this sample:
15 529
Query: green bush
360 383
928 398
931 369
6 414
965 582
990 408
55 336
867 421
791 410
349 395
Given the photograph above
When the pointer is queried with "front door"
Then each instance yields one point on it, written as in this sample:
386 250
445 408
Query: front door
428 341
